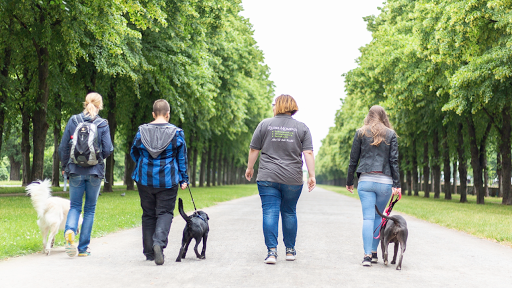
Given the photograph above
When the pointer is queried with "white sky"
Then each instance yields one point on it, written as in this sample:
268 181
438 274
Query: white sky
308 45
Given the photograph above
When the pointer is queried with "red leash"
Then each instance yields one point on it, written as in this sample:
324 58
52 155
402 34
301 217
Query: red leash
387 212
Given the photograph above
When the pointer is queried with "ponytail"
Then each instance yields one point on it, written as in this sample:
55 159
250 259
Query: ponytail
93 104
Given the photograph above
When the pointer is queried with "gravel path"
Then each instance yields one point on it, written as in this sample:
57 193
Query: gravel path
329 247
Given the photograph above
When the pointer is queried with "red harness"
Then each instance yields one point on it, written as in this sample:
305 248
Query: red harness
387 212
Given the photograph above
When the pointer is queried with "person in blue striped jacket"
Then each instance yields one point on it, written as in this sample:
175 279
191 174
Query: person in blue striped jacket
160 154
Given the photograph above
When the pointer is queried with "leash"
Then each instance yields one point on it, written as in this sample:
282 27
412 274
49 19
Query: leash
192 198
387 212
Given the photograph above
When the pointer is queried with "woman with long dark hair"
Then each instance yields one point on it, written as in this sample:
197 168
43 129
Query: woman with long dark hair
375 149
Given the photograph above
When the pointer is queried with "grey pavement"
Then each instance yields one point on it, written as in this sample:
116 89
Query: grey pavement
329 247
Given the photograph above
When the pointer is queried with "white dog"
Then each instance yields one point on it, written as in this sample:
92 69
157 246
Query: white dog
52 212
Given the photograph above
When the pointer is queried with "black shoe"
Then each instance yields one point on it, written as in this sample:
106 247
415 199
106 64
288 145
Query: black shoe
375 259
150 258
367 261
159 255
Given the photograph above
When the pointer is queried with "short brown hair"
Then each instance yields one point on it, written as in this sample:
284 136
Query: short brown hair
161 107
285 104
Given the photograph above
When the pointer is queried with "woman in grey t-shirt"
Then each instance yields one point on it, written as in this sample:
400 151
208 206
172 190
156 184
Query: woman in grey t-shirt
282 140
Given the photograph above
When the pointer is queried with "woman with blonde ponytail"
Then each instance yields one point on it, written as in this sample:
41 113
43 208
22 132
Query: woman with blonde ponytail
84 146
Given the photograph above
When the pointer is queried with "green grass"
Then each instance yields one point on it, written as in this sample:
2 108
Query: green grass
13 190
491 221
10 182
20 235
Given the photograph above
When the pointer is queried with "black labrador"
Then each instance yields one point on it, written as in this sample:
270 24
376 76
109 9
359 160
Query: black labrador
197 228
396 232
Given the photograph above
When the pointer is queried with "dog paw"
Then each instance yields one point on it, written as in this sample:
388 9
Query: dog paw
398 268
393 262
47 252
385 262
178 260
202 257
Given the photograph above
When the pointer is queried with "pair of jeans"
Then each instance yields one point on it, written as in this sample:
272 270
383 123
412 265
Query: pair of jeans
157 213
371 194
78 186
275 198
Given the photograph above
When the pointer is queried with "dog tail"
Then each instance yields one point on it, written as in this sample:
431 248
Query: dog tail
384 216
182 212
39 192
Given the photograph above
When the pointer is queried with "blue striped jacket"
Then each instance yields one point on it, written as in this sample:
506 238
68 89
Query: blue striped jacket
167 169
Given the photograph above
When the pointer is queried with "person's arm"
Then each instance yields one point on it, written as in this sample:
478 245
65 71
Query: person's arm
393 163
106 143
64 145
134 151
310 163
182 159
253 156
354 160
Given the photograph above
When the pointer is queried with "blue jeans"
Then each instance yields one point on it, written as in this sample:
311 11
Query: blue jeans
371 194
277 198
78 185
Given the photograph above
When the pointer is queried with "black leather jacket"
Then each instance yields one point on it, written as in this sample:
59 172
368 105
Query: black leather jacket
382 158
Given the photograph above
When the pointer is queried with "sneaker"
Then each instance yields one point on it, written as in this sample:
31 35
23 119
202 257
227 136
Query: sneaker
375 259
271 257
70 247
85 253
290 254
159 255
367 261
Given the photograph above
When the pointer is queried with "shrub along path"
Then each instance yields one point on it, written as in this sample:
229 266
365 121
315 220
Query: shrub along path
329 249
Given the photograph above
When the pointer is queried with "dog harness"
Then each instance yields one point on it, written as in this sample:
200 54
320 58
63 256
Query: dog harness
387 211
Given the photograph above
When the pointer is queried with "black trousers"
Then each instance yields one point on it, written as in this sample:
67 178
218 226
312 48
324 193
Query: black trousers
157 213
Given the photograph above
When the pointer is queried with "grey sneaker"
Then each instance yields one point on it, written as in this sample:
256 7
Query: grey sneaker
290 254
271 257
375 259
367 261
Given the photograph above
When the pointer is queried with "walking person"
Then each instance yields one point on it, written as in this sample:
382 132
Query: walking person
282 141
85 144
375 149
160 156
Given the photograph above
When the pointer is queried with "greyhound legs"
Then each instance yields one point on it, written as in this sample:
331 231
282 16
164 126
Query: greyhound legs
396 251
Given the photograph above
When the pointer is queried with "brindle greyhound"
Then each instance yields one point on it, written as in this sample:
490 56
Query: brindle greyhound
395 231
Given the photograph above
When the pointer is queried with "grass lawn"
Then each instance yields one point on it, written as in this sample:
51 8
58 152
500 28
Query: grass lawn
12 190
491 221
20 235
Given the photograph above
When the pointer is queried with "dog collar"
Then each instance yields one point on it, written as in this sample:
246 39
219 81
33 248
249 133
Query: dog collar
201 217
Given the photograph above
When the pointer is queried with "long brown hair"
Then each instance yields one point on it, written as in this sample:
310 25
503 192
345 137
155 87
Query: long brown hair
93 104
376 125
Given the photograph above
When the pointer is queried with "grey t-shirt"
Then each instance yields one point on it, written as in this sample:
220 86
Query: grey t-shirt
281 140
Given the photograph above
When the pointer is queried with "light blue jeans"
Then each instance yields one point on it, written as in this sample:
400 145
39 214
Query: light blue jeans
371 194
78 186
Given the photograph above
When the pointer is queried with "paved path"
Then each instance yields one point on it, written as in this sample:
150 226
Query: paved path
329 249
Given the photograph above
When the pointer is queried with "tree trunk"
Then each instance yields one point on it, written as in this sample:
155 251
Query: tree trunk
111 118
446 167
215 166
129 165
3 90
226 169
463 172
219 167
414 159
436 167
506 164
401 170
454 184
57 135
408 178
209 165
25 147
477 157
204 160
499 173
486 177
194 167
39 124
189 152
14 174
426 170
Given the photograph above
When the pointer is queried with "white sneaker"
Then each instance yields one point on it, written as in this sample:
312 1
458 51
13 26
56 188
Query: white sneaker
70 247
290 254
271 257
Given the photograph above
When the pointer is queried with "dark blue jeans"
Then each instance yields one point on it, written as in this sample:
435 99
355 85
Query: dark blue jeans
277 198
78 186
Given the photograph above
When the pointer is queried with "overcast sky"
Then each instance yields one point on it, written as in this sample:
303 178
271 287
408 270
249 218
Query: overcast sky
308 45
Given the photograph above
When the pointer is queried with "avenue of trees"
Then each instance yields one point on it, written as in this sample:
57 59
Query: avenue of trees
199 55
443 71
